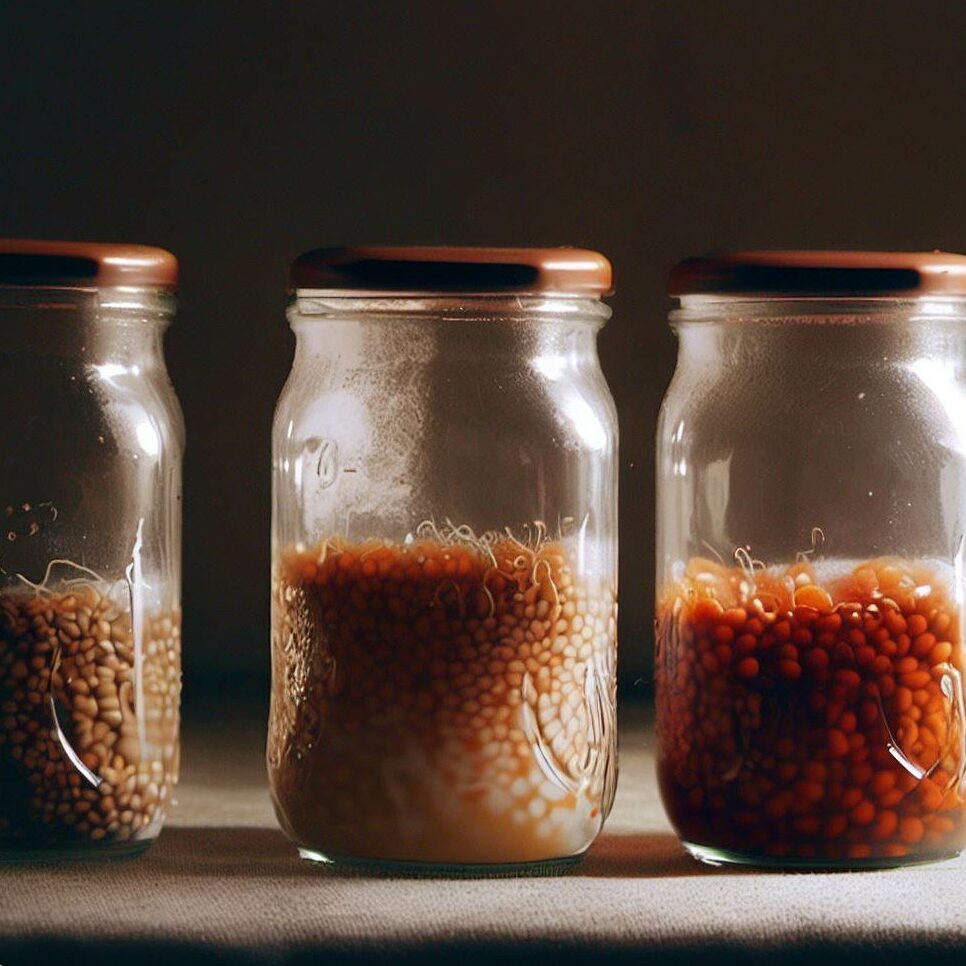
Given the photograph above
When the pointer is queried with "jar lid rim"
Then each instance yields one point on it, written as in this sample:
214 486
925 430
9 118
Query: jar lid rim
453 270
820 274
45 263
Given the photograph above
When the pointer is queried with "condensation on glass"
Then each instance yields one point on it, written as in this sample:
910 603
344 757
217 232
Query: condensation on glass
90 490
811 477
444 560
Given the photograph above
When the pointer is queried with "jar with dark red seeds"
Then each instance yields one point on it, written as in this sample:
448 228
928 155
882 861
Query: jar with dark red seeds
811 490
444 580
90 617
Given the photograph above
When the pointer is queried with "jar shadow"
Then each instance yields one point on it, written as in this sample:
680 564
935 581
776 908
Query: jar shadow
647 855
267 853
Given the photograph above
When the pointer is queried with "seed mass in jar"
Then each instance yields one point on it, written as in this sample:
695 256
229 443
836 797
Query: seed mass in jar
449 699
88 752
812 721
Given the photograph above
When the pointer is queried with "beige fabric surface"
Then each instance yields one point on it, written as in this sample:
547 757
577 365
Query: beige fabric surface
223 879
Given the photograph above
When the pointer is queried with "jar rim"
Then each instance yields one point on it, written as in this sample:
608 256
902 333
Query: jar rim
817 310
62 298
323 305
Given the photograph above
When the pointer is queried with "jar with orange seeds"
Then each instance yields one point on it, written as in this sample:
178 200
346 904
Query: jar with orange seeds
444 561
811 501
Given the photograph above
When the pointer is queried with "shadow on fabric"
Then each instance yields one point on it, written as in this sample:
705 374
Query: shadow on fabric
56 952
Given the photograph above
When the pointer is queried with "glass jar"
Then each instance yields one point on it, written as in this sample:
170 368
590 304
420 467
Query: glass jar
811 506
445 550
90 490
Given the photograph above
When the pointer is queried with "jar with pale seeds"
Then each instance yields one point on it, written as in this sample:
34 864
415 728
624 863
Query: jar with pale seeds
90 620
444 687
811 485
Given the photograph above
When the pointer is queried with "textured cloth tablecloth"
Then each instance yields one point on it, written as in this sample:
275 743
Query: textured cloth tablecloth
223 885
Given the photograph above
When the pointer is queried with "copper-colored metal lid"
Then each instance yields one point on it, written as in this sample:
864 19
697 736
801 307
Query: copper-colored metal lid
453 271
66 264
829 274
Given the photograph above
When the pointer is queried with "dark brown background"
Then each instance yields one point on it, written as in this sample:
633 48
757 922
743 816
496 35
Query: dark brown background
237 134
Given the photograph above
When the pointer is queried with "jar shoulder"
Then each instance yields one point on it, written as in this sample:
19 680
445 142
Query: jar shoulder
574 409
900 403
83 411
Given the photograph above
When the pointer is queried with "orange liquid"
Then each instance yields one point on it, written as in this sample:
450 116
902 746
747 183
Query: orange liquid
434 702
810 722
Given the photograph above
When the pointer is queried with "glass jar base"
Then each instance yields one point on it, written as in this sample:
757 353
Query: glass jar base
713 856
94 852
468 870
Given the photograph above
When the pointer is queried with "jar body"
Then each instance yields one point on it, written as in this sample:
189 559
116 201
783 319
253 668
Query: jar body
444 587
811 500
90 588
